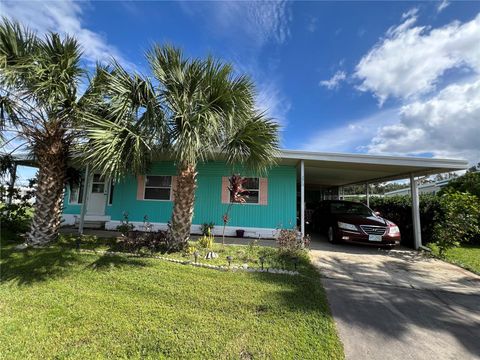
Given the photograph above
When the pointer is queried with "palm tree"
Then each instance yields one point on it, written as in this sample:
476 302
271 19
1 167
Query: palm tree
39 109
191 110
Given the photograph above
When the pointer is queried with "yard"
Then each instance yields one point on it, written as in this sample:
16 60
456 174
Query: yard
58 303
466 256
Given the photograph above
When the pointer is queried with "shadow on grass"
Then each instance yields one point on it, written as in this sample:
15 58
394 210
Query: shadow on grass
35 265
106 262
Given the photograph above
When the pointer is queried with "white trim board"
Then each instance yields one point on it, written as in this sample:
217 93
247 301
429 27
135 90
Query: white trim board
250 232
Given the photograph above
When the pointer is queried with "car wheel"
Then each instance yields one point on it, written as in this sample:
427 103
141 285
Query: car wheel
331 235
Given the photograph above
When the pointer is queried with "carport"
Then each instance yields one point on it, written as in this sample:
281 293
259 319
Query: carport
329 172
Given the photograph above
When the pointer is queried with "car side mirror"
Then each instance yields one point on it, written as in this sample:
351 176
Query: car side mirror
377 213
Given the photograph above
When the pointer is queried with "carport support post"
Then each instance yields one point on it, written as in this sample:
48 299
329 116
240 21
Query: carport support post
367 193
417 233
302 197
84 202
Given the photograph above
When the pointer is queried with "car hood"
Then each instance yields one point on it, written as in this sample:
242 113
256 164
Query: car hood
362 220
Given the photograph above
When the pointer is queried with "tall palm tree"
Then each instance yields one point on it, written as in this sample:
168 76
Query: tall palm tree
191 110
40 107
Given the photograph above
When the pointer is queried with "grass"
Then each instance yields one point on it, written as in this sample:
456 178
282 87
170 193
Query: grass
466 256
59 303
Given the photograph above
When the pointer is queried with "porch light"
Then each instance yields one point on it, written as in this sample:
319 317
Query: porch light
262 260
229 259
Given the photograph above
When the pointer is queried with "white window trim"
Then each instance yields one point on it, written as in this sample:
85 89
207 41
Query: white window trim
158 187
247 203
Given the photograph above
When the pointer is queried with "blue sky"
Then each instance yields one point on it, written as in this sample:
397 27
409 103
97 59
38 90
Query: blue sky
372 77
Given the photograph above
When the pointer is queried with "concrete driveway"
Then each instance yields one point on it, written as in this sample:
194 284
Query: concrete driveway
398 304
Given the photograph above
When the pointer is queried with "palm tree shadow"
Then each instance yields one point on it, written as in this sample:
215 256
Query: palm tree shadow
107 261
35 265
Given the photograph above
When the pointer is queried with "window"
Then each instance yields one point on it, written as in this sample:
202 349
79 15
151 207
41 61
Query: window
158 187
98 184
252 191
76 193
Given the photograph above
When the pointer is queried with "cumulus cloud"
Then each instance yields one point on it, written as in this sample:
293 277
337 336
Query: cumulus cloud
409 61
445 125
63 17
335 80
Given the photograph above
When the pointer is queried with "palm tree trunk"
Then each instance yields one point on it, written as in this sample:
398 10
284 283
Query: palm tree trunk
183 206
49 195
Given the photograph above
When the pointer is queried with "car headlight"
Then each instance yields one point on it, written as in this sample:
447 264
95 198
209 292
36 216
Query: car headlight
346 226
393 230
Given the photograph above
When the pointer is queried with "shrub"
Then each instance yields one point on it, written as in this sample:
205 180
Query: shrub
459 221
291 240
469 182
206 241
135 241
399 210
206 228
17 215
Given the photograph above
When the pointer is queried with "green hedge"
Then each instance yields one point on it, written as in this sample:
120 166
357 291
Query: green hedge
399 210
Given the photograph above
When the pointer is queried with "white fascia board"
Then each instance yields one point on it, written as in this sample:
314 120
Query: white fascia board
453 164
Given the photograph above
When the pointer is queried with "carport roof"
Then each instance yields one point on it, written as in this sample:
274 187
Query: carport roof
335 169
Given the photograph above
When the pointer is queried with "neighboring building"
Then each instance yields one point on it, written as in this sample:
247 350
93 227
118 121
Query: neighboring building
430 188
276 199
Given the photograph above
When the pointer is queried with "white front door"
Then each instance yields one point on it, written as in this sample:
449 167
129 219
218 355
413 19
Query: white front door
97 196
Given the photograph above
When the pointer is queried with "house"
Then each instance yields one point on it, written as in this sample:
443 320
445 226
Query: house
276 199
429 188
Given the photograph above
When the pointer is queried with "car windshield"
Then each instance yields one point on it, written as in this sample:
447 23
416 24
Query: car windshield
350 209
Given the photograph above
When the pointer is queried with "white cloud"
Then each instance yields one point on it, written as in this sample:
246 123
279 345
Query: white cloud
334 81
352 136
442 5
258 21
63 17
445 125
410 61
312 24
271 100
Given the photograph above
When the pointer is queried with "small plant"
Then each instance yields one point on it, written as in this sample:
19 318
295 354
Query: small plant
206 241
190 249
125 226
291 240
147 225
237 195
206 228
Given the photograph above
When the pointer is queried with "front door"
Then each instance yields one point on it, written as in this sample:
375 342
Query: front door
98 196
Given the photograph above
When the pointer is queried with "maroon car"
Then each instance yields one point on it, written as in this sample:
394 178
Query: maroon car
354 222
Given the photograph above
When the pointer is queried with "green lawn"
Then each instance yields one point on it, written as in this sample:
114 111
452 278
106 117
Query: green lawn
58 303
466 256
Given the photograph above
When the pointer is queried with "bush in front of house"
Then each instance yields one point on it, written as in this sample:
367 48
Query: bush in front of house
16 217
433 211
399 210
458 222
135 241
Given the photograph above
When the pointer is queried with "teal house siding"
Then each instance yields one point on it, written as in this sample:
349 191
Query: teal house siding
279 211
